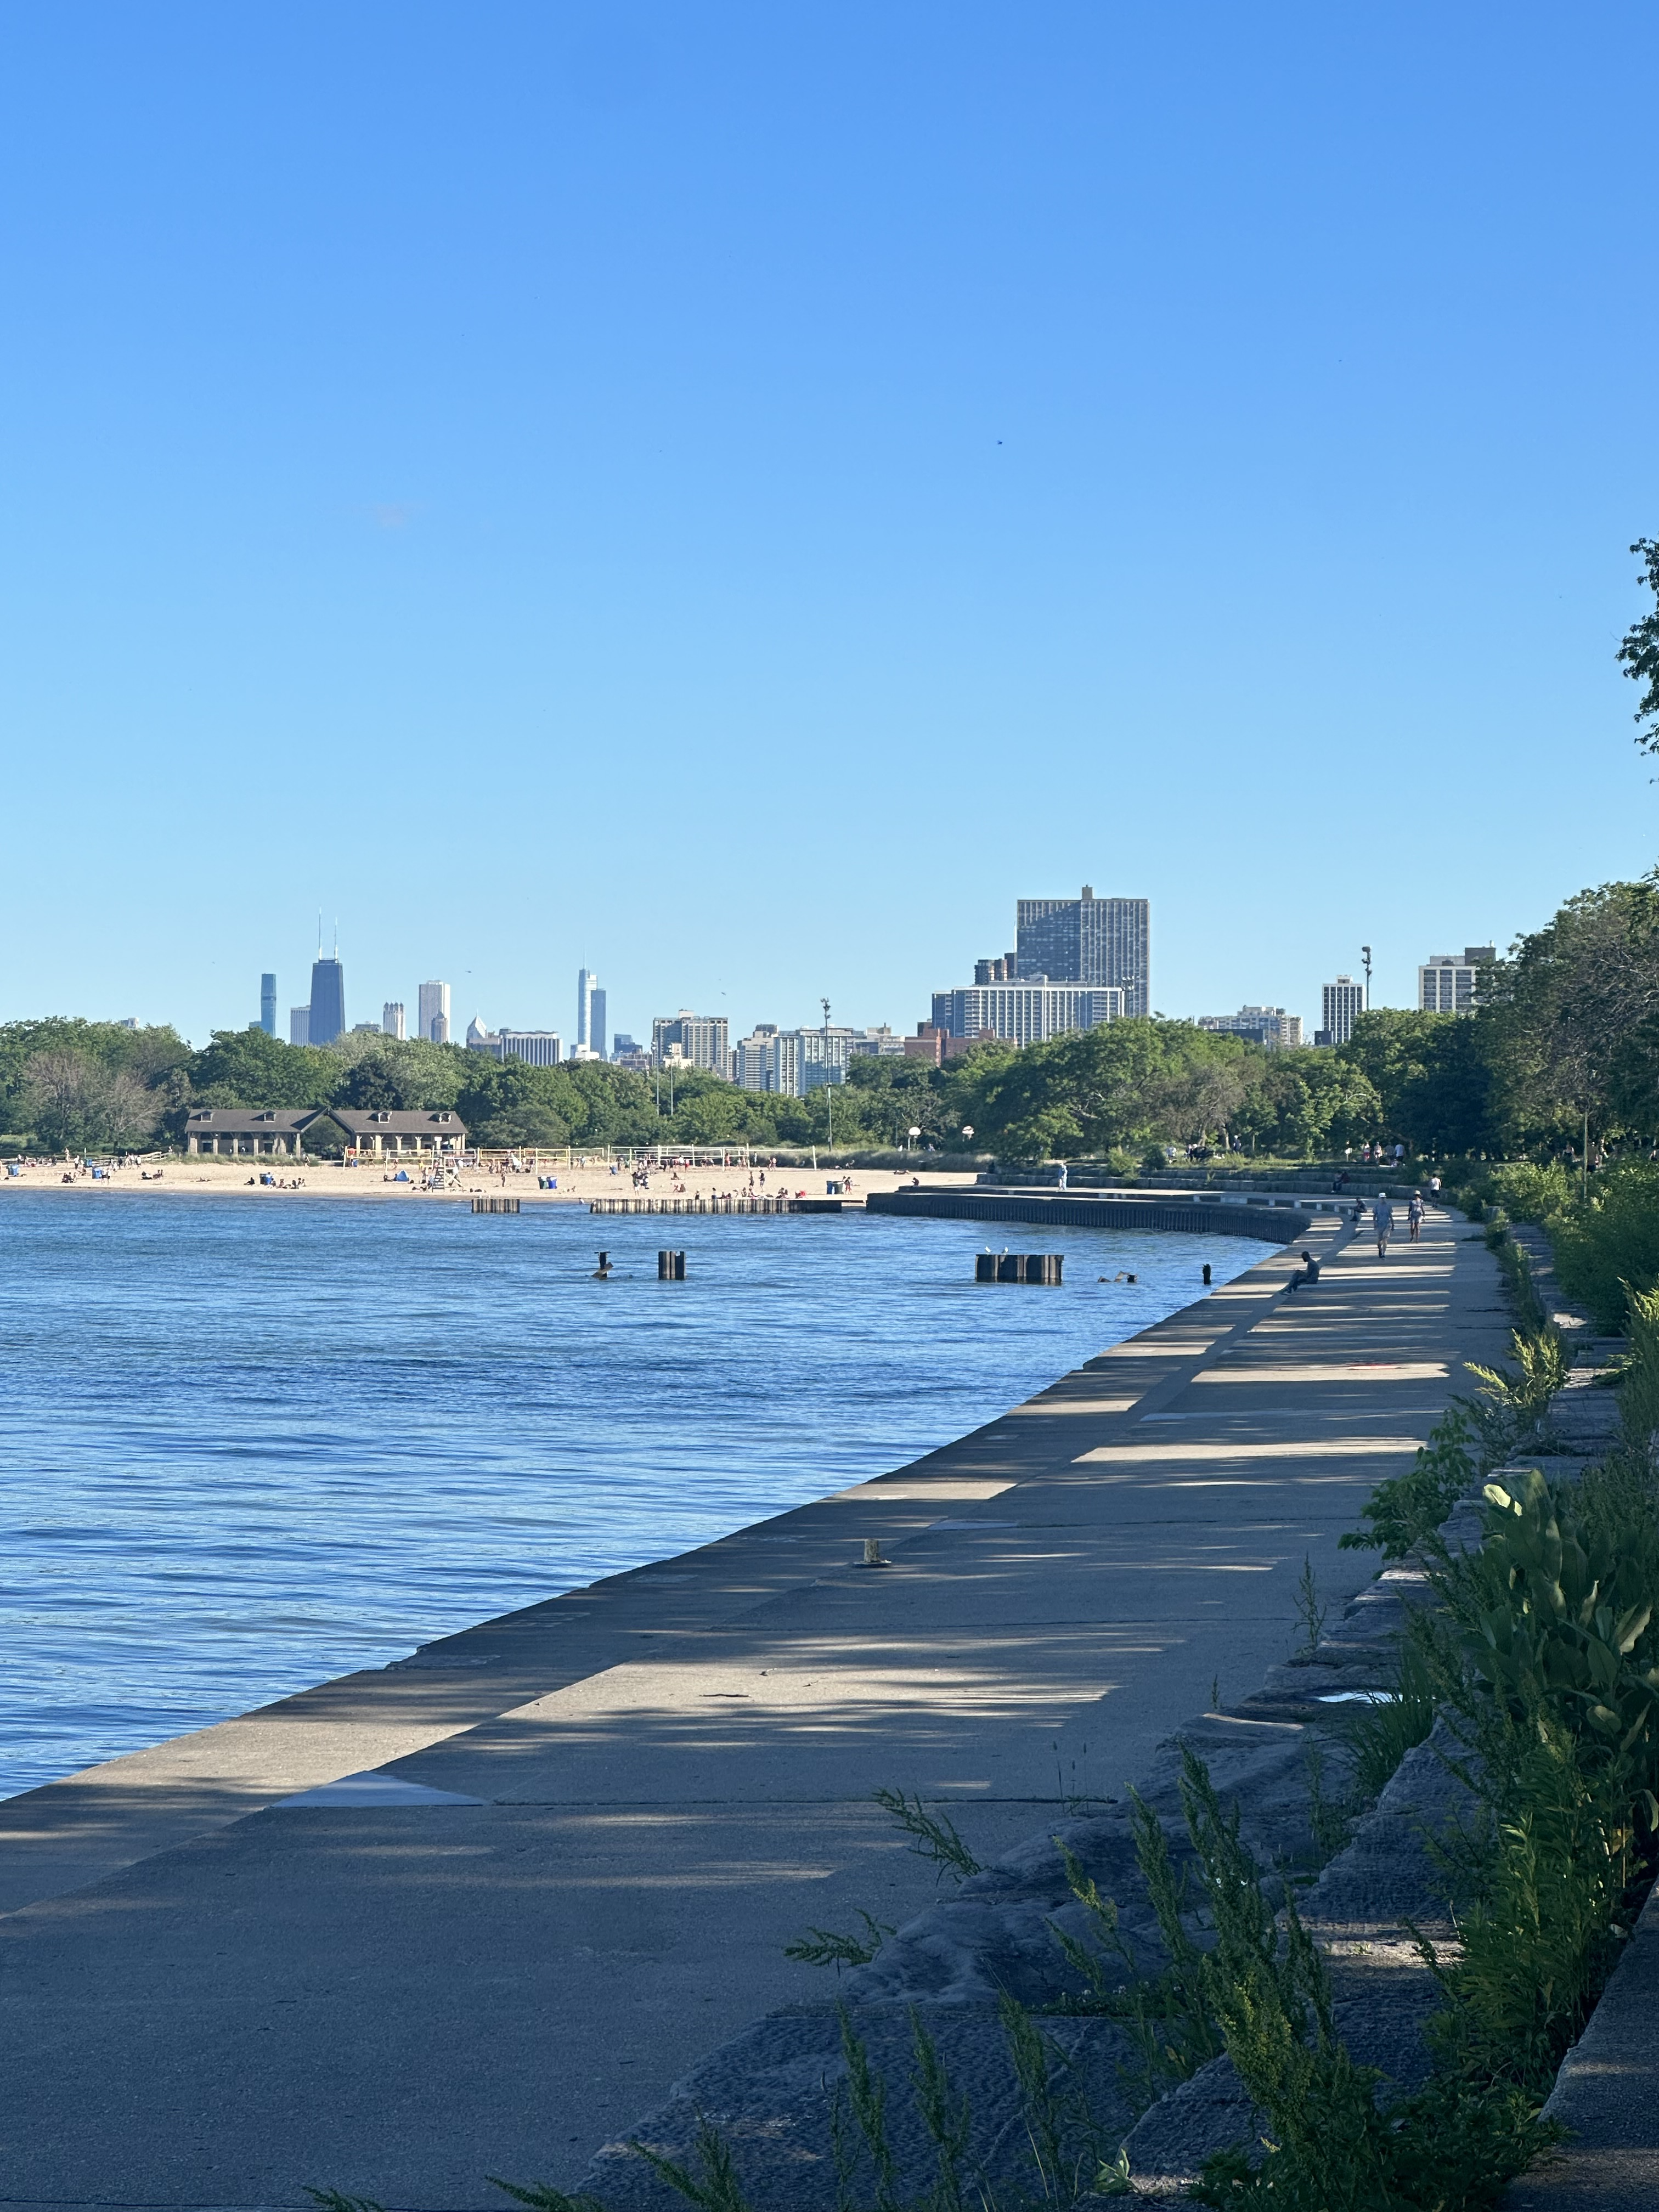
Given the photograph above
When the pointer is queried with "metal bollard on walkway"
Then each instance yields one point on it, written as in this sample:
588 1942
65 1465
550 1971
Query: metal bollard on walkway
671 1267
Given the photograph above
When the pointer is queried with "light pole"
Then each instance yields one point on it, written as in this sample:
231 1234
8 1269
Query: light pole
1365 960
828 1087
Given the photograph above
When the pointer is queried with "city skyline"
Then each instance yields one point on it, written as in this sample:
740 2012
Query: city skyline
1005 1006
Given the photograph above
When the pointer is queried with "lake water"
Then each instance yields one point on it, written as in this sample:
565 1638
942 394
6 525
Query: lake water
251 1444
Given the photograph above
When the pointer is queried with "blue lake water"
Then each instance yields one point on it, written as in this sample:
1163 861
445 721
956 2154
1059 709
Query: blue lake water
249 1444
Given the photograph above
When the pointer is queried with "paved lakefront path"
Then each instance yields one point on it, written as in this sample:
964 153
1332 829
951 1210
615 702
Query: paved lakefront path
210 1999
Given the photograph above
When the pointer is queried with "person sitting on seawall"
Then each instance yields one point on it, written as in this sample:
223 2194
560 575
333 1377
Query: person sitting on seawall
1383 1224
1308 1272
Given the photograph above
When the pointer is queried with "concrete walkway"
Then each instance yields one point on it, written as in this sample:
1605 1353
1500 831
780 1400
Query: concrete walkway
651 1785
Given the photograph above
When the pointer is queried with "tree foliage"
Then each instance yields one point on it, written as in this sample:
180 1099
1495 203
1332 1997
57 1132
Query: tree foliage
1639 651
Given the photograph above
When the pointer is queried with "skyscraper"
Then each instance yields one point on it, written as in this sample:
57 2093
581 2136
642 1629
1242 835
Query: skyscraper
268 1005
590 1012
1341 1003
299 1026
1103 942
703 1039
435 1012
391 1018
328 1017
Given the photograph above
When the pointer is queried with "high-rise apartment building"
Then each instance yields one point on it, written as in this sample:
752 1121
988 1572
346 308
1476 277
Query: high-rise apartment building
793 1063
328 1015
299 1026
1268 1025
268 1005
1341 1003
1026 1013
1004 969
749 1057
702 1040
435 1012
1105 942
1450 983
391 1018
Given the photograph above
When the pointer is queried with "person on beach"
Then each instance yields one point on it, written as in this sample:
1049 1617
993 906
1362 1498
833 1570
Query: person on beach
1414 1216
1383 1224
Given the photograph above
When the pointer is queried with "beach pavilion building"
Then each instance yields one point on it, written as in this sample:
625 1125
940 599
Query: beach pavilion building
272 1130
246 1129
383 1129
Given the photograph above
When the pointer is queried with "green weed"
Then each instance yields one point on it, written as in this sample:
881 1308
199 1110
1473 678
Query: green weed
934 1834
1379 1735
1310 1611
822 1946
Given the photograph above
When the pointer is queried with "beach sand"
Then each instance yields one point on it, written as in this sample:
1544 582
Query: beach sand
238 1177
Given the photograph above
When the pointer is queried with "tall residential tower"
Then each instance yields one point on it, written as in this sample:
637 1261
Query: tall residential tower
1106 942
1341 1003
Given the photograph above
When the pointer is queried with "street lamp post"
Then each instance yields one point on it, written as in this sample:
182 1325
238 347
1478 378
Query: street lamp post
1365 957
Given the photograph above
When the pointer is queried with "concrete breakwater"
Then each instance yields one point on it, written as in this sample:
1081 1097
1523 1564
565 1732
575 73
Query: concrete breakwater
482 1911
1273 1221
719 1204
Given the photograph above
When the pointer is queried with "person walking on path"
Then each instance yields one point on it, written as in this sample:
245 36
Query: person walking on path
1383 1224
1414 1216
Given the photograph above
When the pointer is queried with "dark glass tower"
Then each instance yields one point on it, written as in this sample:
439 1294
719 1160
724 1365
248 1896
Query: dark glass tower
1089 940
328 1018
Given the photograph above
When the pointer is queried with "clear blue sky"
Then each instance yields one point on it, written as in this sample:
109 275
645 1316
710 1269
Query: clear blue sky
738 494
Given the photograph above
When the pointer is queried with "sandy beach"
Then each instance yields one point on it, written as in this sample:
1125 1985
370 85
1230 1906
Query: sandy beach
375 1179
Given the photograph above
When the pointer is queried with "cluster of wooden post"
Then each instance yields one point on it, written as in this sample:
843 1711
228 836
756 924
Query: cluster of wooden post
671 1267
495 1205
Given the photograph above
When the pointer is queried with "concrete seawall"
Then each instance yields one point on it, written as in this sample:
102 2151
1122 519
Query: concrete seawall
1271 1223
238 1964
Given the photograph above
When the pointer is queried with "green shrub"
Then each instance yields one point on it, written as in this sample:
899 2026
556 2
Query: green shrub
1613 1248
1528 1193
1408 1508
1638 1392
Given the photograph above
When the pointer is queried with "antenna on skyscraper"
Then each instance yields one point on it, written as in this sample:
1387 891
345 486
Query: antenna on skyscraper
319 932
337 937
